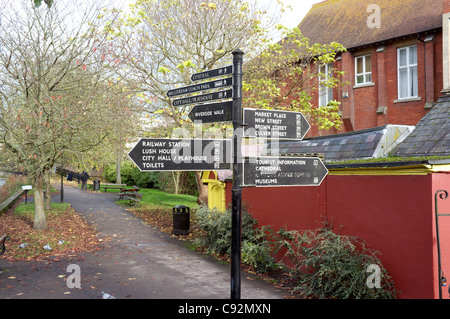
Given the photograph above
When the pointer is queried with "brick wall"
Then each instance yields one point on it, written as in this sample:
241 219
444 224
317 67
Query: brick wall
377 104
446 6
359 109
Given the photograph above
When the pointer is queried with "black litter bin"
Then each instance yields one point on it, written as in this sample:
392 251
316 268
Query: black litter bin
96 184
181 221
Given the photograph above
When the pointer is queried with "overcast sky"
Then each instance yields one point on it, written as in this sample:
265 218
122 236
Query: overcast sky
292 18
299 9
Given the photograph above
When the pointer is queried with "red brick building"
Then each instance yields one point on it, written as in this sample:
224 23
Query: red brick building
394 60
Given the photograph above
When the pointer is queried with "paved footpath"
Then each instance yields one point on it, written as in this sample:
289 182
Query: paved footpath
137 262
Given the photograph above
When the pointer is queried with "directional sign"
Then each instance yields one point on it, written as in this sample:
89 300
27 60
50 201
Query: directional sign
163 154
222 95
275 124
283 171
212 113
221 83
227 70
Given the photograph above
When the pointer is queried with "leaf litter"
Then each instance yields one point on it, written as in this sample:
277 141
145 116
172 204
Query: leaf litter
67 233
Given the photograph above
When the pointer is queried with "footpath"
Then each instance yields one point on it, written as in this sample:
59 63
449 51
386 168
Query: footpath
137 262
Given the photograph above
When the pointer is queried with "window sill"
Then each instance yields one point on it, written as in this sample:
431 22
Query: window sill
363 85
410 99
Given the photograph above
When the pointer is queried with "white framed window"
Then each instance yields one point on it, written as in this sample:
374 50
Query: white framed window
325 92
363 70
407 72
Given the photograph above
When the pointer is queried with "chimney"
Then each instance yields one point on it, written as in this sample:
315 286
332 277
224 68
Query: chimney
446 45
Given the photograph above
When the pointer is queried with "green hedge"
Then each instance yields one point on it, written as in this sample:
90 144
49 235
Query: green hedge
131 175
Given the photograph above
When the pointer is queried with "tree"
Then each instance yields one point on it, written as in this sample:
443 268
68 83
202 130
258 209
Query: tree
287 74
168 40
54 72
37 3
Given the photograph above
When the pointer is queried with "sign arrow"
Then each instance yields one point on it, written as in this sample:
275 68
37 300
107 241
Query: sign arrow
275 124
164 154
227 70
221 83
222 95
283 171
212 113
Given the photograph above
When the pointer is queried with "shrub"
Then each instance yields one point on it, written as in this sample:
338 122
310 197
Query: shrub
329 265
215 237
144 179
109 173
12 184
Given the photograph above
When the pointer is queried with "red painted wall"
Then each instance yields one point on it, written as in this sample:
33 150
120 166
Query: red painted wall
394 214
441 182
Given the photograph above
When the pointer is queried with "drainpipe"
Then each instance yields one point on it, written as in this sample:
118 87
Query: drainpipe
424 65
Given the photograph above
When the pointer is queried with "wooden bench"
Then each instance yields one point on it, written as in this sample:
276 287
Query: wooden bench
2 243
112 186
128 191
132 200
130 194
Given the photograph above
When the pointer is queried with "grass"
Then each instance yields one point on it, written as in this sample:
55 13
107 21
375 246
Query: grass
156 208
157 199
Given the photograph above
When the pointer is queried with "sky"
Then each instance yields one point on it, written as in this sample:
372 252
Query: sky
291 19
300 8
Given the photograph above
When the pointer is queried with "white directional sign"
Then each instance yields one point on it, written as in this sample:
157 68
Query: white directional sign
222 95
212 113
227 70
165 154
275 124
220 83
284 171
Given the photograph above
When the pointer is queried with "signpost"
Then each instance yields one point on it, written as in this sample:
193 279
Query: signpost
164 154
227 70
199 155
212 113
221 83
284 171
275 124
222 95
26 188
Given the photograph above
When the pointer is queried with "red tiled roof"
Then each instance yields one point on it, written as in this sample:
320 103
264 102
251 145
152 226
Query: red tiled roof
345 21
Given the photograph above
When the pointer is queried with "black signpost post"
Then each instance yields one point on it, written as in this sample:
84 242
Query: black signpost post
236 190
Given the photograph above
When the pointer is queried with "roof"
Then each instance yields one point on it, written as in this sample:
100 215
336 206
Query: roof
432 134
363 144
345 21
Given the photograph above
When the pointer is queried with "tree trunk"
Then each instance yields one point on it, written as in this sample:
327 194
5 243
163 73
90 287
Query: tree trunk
176 181
118 163
202 190
40 221
47 194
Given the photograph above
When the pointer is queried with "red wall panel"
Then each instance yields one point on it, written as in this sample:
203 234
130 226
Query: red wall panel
393 214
